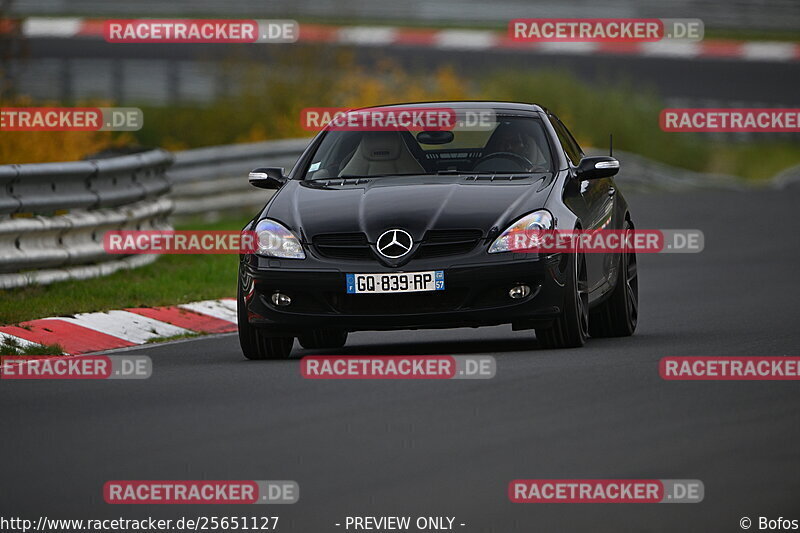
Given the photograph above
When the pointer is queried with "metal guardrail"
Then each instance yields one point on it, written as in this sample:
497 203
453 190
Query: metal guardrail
53 215
207 180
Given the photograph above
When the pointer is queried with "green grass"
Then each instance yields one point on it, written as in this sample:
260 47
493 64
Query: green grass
757 161
11 346
172 279
174 337
752 35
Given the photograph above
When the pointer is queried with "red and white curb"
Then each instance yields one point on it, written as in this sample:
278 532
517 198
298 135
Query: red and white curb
95 332
455 39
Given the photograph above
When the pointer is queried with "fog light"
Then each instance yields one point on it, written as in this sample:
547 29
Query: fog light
281 299
519 291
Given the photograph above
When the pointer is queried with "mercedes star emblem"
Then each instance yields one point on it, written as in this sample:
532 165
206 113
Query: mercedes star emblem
394 243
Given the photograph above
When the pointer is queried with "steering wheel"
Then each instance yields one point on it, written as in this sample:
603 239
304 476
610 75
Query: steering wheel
526 163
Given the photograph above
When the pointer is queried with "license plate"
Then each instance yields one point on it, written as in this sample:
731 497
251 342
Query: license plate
433 280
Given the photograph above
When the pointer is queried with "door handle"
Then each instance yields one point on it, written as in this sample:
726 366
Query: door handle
612 191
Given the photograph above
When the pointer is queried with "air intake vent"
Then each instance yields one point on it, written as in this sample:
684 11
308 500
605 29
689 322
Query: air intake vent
439 243
342 245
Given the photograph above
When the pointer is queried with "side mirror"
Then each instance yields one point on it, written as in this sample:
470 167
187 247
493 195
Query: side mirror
592 168
267 178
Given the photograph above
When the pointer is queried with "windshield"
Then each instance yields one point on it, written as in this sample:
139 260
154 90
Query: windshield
507 145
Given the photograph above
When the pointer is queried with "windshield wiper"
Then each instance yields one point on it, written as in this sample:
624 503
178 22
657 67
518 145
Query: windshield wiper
487 172
367 176
459 172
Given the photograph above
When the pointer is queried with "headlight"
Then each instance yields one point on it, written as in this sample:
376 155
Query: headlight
274 240
538 220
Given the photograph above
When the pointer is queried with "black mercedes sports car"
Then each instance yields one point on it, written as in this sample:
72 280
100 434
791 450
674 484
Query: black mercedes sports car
408 229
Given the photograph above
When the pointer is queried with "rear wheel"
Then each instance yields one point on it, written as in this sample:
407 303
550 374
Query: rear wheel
619 314
256 343
571 328
323 338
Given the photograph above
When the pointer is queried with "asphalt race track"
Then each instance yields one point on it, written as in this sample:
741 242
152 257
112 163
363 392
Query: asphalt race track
451 447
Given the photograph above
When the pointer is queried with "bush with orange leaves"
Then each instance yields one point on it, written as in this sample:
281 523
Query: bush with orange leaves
54 146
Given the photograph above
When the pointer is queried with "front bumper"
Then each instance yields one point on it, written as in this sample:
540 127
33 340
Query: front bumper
474 295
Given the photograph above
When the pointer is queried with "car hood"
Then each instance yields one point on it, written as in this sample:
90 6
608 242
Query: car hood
415 204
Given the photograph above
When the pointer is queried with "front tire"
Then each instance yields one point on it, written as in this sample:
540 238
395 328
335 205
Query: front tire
322 338
619 314
571 328
256 343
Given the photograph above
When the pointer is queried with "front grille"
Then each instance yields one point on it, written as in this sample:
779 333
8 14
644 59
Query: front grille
437 243
392 304
440 243
342 245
